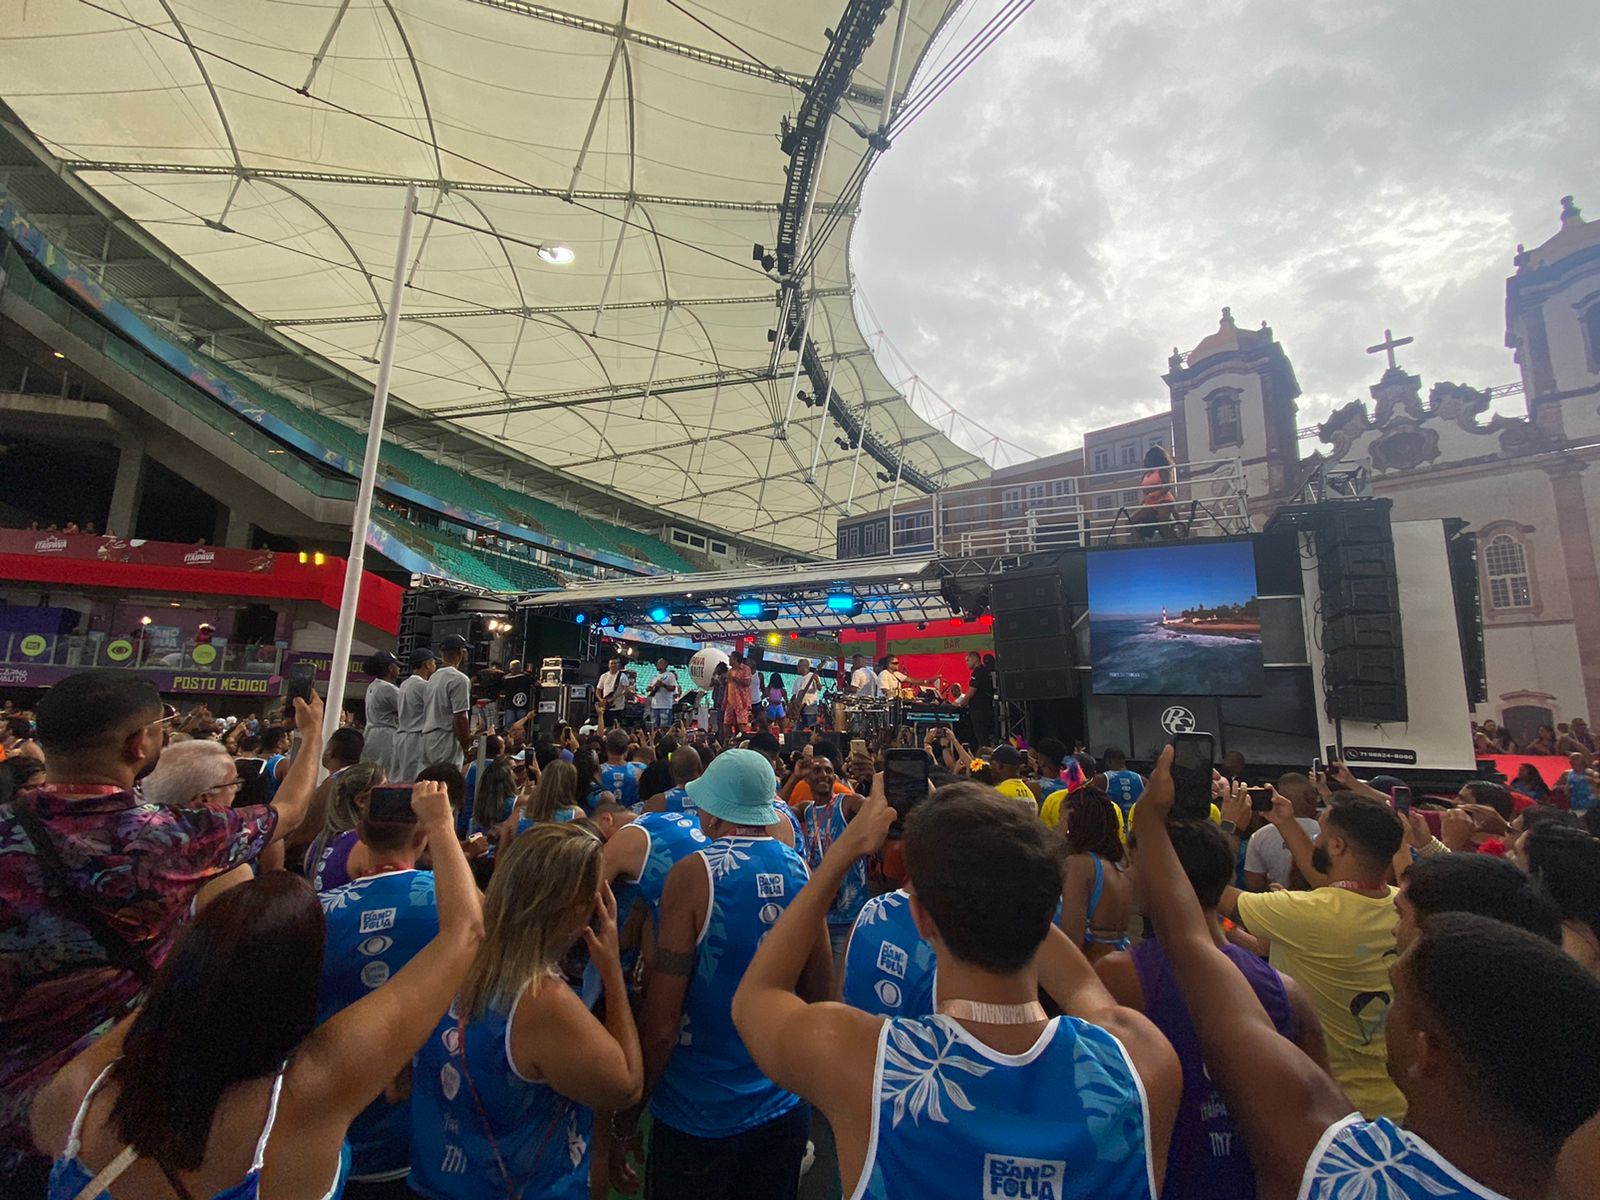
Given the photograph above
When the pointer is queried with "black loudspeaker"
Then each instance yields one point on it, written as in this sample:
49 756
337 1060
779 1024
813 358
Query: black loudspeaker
1033 636
1463 552
1364 671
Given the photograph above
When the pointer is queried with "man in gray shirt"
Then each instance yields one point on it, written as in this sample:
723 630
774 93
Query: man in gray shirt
413 711
383 712
446 730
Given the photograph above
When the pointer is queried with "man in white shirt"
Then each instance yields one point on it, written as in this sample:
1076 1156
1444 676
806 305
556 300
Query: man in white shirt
608 692
863 679
661 695
383 711
1266 858
805 701
413 714
446 730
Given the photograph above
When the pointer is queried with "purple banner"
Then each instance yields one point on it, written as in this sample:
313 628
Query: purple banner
173 682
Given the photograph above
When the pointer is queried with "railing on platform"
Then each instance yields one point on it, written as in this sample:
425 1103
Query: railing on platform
999 518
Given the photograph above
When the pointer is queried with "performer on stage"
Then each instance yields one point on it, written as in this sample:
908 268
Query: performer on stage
1157 501
979 699
896 686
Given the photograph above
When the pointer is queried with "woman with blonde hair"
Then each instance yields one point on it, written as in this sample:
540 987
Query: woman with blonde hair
504 1092
328 859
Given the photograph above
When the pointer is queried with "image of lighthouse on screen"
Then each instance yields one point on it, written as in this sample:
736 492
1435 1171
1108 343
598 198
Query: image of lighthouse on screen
1175 620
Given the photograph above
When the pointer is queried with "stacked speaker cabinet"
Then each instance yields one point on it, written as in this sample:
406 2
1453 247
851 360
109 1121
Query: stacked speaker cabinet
1033 636
1364 670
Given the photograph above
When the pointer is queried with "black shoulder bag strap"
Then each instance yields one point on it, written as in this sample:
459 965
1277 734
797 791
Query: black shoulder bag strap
119 953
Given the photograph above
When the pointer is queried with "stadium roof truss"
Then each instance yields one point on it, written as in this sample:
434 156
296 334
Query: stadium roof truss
701 160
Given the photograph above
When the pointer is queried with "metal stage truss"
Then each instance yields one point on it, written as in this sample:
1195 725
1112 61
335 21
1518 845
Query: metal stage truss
884 591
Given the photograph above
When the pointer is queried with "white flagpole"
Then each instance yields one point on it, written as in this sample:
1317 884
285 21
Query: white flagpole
346 632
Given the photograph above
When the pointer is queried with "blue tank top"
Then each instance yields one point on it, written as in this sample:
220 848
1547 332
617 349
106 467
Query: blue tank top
621 783
712 1088
375 926
787 813
678 801
1124 787
68 1176
823 824
271 772
1378 1158
1208 1159
541 1136
1580 792
955 1118
888 968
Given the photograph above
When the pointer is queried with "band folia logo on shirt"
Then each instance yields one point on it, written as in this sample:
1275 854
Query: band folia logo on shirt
768 886
892 960
1022 1178
377 919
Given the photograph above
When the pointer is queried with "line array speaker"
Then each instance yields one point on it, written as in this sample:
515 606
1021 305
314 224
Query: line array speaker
1033 636
1364 669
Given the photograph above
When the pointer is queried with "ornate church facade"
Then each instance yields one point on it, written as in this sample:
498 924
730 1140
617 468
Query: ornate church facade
1524 484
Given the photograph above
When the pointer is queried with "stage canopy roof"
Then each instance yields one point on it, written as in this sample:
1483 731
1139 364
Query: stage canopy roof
268 145
884 591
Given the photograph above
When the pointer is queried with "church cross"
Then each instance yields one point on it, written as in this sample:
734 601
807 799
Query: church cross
1390 343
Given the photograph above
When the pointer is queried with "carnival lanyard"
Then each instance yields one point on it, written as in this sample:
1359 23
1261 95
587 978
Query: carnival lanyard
512 1191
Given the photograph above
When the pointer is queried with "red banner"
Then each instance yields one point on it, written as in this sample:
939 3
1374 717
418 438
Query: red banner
99 548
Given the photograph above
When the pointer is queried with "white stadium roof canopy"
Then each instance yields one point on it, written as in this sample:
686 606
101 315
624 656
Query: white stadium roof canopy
268 145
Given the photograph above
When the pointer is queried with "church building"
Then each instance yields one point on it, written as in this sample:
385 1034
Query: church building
1521 483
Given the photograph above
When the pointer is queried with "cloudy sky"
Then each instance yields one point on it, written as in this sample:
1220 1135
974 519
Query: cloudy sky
1109 175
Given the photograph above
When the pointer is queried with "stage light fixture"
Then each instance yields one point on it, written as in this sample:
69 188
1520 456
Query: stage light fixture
557 256
319 559
774 639
605 622
621 627
748 608
841 602
579 618
794 637
660 613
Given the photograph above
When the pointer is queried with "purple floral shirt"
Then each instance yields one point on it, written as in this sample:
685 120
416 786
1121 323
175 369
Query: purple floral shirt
140 865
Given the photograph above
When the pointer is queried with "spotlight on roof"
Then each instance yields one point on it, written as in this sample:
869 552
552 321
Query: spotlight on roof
841 602
774 639
748 608
660 614
579 617
605 621
557 256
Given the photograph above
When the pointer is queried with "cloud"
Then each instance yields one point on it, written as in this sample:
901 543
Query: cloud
1108 176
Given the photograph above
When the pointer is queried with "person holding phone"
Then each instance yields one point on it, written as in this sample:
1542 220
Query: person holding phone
504 1091
1267 860
269 1094
1488 1114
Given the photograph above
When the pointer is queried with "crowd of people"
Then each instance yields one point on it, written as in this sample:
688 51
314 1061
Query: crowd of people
424 959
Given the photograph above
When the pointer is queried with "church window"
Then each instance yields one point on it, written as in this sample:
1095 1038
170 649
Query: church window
1506 563
1222 418
1591 334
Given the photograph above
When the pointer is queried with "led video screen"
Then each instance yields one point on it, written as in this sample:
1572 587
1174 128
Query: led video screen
1181 620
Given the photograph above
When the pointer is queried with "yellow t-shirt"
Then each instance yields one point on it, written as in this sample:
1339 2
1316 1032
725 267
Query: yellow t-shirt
1050 811
1017 790
1338 945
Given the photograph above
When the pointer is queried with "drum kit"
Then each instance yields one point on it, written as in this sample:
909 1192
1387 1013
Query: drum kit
866 717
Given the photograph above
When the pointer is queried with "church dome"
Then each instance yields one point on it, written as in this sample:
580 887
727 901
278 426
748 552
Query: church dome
1227 337
1575 234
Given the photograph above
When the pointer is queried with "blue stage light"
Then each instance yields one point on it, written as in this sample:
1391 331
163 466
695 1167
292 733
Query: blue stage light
749 608
621 628
580 618
841 602
659 614
604 621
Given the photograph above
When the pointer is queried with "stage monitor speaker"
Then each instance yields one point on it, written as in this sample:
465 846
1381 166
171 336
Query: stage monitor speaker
1040 654
1026 589
1364 671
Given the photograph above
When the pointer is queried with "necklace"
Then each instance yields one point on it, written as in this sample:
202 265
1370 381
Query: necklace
993 1014
1355 885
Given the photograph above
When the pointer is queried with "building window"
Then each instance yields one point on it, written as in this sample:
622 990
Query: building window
1222 418
1589 316
1011 502
1128 453
1506 564
1102 459
854 536
1061 487
1104 503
